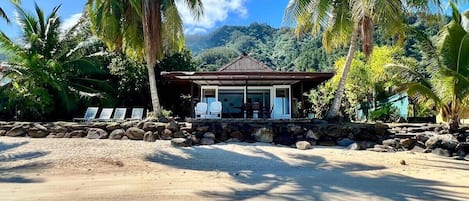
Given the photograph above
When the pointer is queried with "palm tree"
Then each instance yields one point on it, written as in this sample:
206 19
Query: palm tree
448 84
346 21
4 15
49 72
122 23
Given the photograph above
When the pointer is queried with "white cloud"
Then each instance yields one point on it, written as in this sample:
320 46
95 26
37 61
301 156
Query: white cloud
70 22
215 11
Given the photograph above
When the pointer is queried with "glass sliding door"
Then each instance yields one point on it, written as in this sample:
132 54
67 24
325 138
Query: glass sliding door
282 102
232 102
260 100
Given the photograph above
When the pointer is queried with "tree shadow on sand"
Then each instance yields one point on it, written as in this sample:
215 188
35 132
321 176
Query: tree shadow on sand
306 177
13 163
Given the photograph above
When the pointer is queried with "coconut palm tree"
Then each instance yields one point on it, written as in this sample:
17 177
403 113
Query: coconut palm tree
122 23
4 15
345 22
49 72
448 84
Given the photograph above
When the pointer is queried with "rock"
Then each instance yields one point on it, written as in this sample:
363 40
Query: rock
58 129
442 152
408 143
202 128
334 131
392 142
298 130
173 126
16 131
117 134
264 135
447 140
194 139
51 135
312 135
381 128
207 141
76 134
181 142
38 131
128 124
402 162
60 135
113 126
303 145
125 138
150 126
345 142
166 135
209 135
135 133
238 135
179 134
96 133
150 137
353 146
3 132
232 140
326 143
284 139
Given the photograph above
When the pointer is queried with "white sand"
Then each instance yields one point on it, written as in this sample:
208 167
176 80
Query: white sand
82 169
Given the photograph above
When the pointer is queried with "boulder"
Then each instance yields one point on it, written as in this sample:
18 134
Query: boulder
442 152
194 139
326 143
113 126
166 135
392 142
181 142
238 135
58 129
361 145
3 132
202 128
438 140
180 134
76 134
334 131
264 135
117 134
345 142
96 133
303 145
150 126
128 124
209 135
135 133
173 126
150 137
312 135
38 131
207 141
16 131
60 135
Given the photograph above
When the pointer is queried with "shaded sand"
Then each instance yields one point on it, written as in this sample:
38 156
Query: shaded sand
82 169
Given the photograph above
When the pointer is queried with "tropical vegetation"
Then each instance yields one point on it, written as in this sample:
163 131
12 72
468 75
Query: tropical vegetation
446 82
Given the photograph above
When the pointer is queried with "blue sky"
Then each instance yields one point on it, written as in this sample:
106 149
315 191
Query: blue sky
217 13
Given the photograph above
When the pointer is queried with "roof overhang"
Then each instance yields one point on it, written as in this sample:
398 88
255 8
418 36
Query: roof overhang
250 78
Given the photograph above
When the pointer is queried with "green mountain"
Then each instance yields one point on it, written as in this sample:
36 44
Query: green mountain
280 48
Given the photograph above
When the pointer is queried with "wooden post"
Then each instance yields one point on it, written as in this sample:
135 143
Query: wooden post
192 100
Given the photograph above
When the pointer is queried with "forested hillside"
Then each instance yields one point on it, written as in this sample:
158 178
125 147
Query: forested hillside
279 48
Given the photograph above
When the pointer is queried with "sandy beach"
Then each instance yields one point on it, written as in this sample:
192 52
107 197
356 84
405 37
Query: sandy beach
83 169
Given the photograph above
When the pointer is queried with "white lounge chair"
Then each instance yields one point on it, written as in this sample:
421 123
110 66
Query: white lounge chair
90 114
105 114
201 110
119 114
215 109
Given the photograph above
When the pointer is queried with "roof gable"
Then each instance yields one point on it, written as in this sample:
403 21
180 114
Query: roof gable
245 63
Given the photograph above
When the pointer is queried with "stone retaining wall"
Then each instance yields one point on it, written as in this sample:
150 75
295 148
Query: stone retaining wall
302 135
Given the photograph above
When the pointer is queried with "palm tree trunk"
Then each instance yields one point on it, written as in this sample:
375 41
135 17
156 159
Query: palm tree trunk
151 19
334 110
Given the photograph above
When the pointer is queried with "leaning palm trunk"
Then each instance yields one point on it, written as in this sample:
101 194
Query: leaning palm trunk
151 19
334 110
